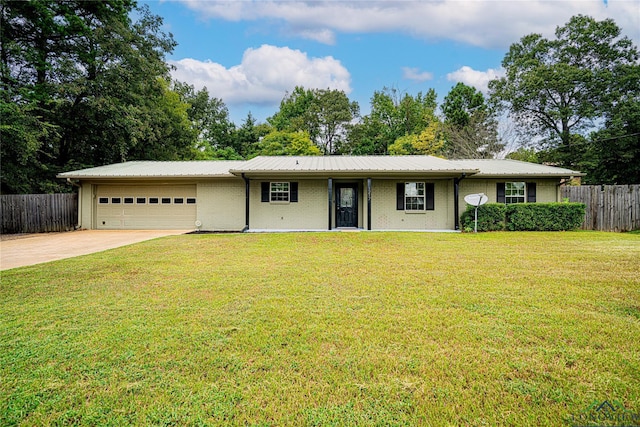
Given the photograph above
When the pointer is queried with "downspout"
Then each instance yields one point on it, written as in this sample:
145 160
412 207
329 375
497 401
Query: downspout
456 196
75 184
246 203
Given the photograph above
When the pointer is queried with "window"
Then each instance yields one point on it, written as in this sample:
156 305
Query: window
516 192
414 196
141 200
115 200
166 200
178 200
153 200
128 200
103 200
191 200
279 192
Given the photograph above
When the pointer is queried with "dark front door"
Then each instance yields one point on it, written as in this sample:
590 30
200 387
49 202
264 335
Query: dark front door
346 205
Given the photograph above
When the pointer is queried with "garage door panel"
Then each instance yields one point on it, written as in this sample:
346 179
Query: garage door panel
133 209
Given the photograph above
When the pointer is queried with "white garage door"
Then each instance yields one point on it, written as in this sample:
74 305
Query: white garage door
146 207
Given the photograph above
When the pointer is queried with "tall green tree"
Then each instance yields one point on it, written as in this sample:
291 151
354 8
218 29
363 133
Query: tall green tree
210 121
393 115
612 155
248 135
470 130
324 114
558 89
461 103
283 143
89 83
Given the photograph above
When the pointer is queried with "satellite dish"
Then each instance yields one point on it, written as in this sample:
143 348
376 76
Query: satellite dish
476 199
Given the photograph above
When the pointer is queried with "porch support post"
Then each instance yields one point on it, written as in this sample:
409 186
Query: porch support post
246 202
368 203
330 190
456 196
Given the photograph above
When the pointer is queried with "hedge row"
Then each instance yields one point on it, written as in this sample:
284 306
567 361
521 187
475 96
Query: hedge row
525 217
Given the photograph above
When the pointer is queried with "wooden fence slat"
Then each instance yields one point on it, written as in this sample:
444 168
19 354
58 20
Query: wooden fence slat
608 207
37 213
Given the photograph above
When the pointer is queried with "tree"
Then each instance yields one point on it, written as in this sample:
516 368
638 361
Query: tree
471 131
282 143
210 121
90 84
557 89
428 142
248 135
323 113
461 103
613 153
393 115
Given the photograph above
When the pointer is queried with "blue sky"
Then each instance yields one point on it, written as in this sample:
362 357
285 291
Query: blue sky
249 53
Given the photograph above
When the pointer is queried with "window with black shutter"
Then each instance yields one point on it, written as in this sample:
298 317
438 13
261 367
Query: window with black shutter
516 192
415 196
279 192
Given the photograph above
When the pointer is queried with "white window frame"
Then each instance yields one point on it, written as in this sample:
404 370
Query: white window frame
280 192
414 194
515 192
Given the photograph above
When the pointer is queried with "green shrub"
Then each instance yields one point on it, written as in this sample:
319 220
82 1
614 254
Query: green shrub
544 216
491 217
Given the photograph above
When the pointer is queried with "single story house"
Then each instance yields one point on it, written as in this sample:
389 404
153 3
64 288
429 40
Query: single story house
304 193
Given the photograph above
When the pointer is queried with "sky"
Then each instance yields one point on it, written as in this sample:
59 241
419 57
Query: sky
250 53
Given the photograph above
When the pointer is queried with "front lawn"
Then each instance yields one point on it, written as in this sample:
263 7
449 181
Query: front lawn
317 329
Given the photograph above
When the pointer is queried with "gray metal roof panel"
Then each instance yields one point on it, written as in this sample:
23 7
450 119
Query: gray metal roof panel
507 167
360 164
158 169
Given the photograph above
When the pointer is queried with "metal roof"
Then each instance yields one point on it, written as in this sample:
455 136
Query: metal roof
513 168
158 169
373 165
321 165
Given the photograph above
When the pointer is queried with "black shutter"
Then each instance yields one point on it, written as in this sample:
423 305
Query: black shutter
430 196
531 192
293 190
265 191
400 196
500 192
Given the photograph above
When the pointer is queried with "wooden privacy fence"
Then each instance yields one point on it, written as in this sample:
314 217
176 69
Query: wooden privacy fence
38 213
609 207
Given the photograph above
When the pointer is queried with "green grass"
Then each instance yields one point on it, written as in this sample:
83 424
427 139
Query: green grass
354 329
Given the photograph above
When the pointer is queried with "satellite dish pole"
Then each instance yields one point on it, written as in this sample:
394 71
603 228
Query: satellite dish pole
476 200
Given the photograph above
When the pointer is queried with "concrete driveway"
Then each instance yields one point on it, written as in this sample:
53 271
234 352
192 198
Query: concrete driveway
18 251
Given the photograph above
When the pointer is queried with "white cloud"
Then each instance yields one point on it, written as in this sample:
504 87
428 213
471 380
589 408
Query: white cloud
488 23
264 75
414 74
478 79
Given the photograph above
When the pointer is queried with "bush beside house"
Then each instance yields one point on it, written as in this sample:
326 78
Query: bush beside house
525 217
491 217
